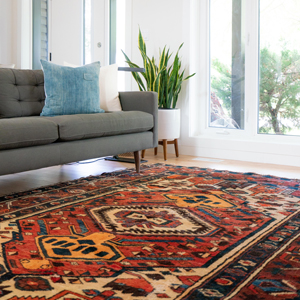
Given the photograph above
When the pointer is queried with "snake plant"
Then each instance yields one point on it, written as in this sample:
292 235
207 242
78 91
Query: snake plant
164 78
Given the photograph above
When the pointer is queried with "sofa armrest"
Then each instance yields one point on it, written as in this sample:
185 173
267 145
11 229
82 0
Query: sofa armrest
142 101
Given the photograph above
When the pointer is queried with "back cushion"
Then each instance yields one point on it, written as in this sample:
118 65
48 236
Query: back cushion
21 93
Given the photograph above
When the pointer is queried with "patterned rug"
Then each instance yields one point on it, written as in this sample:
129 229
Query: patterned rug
169 233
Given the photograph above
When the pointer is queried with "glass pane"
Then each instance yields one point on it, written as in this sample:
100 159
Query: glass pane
120 42
40 32
117 38
227 52
279 104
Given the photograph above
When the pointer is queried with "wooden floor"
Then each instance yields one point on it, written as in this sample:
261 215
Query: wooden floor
47 176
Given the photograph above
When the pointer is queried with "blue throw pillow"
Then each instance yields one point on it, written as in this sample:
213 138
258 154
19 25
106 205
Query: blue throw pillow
71 90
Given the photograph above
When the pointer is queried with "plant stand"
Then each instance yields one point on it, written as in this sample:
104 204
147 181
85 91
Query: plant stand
164 143
168 130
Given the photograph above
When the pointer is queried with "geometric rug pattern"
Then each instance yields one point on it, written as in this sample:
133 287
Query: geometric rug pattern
169 232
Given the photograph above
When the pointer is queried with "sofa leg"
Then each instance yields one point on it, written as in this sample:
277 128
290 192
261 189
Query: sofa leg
137 160
143 153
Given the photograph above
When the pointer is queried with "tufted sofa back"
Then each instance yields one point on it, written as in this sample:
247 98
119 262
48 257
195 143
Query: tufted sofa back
21 93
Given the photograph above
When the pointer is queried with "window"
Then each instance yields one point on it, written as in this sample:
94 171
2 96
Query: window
227 50
40 32
117 31
112 31
117 38
279 85
277 66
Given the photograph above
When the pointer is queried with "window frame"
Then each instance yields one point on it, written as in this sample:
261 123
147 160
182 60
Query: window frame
199 124
112 31
37 33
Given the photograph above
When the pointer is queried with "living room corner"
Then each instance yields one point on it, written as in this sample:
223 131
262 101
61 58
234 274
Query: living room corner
211 212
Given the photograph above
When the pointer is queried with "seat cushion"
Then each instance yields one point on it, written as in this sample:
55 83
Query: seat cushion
85 126
26 131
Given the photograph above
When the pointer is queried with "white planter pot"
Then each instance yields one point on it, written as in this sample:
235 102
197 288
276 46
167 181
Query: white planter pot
168 124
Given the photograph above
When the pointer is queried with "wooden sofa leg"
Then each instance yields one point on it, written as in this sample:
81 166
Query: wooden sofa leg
137 160
143 153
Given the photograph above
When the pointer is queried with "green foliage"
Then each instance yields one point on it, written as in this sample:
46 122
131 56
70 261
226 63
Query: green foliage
165 78
279 105
279 90
221 84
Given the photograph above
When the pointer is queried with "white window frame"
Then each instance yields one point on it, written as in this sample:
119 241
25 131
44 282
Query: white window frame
245 144
251 84
250 73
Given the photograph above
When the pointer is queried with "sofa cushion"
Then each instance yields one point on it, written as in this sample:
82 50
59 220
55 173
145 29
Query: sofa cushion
109 95
85 126
108 84
21 93
27 131
71 90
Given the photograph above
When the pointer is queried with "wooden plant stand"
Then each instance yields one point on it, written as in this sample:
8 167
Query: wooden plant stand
164 143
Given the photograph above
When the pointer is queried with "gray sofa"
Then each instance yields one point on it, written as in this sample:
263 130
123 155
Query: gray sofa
29 141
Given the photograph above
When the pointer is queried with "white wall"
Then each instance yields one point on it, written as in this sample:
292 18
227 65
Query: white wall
160 22
163 23
15 33
6 32
66 31
25 33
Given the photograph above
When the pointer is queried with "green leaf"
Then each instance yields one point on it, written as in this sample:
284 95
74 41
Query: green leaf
135 75
142 45
188 77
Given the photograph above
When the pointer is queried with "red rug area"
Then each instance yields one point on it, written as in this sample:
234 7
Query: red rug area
168 233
